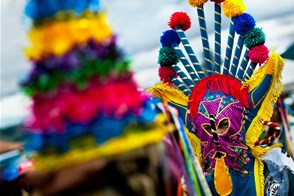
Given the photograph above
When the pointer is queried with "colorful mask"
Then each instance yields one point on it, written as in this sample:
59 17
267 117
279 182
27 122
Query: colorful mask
229 115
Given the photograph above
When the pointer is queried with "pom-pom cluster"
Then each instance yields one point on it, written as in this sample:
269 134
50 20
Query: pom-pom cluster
167 55
244 25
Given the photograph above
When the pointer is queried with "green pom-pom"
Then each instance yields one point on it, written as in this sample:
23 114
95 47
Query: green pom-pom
167 57
254 37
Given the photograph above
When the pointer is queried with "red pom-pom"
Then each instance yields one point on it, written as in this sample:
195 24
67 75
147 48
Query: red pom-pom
165 73
180 19
258 54
217 1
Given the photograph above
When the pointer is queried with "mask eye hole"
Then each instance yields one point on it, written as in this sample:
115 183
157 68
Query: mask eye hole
223 126
207 128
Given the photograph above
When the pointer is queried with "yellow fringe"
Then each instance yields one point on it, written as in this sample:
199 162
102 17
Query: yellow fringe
168 94
259 176
274 66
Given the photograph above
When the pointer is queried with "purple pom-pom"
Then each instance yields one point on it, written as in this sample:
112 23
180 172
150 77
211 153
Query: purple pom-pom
169 37
244 23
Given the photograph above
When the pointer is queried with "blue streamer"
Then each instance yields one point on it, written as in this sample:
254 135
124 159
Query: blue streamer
186 63
217 36
229 49
180 86
236 58
243 66
190 52
250 71
183 76
204 38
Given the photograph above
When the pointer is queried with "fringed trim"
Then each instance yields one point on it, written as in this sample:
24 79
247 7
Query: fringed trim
168 94
217 83
274 66
259 177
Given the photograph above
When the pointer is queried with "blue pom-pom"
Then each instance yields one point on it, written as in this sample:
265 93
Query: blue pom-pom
168 38
244 23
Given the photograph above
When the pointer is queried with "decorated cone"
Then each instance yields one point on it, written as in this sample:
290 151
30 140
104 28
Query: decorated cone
90 130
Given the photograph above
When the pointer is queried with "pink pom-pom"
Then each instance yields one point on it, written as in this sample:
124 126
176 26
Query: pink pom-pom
180 19
258 54
165 73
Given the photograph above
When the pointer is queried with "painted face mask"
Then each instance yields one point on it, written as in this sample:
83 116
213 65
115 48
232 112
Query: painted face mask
229 116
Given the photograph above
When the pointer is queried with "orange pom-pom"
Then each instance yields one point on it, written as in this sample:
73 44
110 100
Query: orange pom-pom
197 3
233 8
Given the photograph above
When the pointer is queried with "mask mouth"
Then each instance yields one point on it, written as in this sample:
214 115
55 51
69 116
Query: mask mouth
219 154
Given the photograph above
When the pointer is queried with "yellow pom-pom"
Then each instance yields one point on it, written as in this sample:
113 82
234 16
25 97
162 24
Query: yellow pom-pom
197 3
233 8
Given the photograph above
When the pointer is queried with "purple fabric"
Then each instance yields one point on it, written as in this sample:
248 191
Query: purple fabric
232 140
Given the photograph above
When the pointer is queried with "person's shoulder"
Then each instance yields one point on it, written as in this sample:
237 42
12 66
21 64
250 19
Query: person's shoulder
278 172
278 159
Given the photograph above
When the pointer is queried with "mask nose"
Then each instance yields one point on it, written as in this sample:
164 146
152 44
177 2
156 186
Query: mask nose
213 130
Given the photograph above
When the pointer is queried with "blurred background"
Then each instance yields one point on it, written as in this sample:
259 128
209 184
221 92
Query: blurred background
138 25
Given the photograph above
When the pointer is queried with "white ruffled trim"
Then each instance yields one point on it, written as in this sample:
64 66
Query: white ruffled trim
280 159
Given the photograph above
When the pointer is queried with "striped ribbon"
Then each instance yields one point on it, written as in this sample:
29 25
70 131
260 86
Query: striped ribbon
180 86
217 37
183 76
243 66
205 42
236 58
185 62
190 52
229 48
249 71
